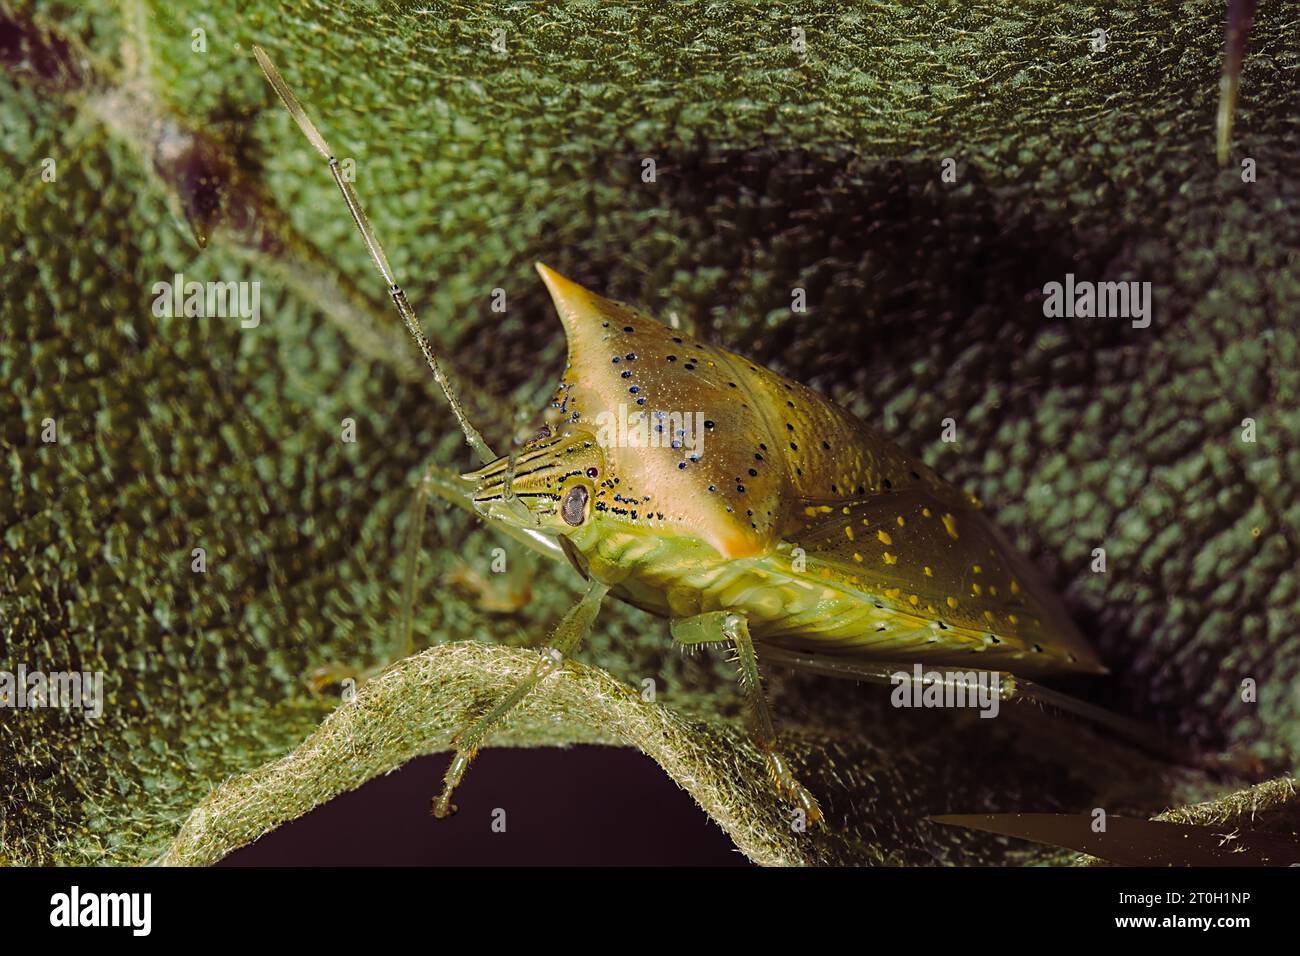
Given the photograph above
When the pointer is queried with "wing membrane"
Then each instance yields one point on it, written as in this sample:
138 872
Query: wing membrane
947 573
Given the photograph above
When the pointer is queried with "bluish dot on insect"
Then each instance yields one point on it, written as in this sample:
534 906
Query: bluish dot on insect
627 374
681 465
634 389
640 401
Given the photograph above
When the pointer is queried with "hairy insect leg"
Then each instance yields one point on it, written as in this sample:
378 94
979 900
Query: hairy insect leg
568 634
404 642
434 479
730 627
1008 687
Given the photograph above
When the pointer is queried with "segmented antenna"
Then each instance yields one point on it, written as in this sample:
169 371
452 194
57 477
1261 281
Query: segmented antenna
376 251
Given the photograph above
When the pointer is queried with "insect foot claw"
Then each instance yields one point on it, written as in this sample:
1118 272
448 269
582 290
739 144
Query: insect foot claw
790 788
322 678
442 806
812 810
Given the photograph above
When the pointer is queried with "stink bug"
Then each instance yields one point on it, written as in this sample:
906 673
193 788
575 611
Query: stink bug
785 526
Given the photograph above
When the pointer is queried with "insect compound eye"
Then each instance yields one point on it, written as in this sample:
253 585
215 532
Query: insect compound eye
574 506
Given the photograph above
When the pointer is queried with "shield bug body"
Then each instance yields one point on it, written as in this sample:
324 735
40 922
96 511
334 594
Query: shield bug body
745 508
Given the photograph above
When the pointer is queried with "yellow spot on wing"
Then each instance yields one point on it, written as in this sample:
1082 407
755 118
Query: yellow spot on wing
950 523
929 571
884 537
889 558
952 603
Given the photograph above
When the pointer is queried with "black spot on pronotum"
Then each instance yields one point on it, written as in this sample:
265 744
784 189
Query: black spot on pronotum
574 507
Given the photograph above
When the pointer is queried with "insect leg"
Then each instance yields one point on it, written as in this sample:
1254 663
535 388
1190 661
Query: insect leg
1010 688
719 626
404 643
568 634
